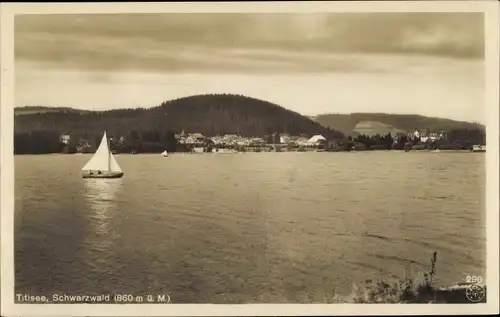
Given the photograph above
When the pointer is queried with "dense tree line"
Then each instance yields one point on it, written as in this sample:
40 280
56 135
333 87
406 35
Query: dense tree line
455 139
44 142
150 141
207 114
467 137
377 140
38 142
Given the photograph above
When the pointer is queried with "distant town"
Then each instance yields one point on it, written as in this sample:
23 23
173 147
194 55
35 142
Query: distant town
233 123
419 139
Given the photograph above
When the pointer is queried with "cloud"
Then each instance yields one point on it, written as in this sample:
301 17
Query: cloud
317 42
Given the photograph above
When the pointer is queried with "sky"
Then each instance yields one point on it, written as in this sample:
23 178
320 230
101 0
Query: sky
410 63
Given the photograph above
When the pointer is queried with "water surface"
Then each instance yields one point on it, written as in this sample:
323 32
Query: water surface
247 228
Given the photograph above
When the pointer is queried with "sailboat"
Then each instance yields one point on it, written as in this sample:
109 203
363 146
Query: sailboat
165 153
103 163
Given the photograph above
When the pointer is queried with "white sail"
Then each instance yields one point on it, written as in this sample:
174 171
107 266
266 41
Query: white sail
113 164
101 158
164 153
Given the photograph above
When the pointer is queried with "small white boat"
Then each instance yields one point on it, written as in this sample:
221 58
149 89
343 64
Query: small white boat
225 151
103 163
478 148
164 153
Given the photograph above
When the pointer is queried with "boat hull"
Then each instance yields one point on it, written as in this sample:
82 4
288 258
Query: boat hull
103 175
478 148
224 151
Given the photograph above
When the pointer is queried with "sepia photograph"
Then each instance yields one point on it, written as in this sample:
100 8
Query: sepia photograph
324 154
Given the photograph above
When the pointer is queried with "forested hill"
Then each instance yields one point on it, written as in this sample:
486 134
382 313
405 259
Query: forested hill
381 123
42 109
207 114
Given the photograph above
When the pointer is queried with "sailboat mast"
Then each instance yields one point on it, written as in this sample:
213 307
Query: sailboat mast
109 153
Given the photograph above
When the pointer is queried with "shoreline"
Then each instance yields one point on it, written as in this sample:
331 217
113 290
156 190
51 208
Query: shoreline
411 292
225 154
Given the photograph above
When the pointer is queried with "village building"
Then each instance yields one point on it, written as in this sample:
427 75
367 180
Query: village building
426 136
316 140
257 141
196 135
65 138
192 139
302 141
415 135
84 146
243 142
285 138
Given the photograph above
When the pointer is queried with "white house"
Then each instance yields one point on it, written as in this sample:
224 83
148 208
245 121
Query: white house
243 141
257 141
315 139
284 139
65 138
416 134
189 140
231 137
216 139
196 135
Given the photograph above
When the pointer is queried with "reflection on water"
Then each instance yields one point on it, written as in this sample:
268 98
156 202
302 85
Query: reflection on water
100 195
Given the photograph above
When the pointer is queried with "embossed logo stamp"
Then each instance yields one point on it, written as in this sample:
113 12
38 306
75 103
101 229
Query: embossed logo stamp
475 293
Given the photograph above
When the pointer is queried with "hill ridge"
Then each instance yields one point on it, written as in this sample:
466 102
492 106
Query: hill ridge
209 114
20 109
394 114
221 113
348 123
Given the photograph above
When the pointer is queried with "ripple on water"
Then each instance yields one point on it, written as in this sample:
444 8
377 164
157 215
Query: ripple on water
247 228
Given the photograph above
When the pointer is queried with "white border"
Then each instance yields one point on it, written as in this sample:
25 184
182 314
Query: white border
8 308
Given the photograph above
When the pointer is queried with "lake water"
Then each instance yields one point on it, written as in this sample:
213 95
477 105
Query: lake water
249 227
